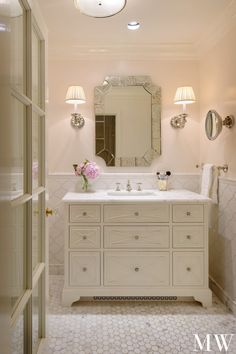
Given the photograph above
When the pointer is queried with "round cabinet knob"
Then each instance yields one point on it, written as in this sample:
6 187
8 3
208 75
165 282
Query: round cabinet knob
84 269
84 237
136 213
84 213
136 269
188 213
136 237
188 269
188 237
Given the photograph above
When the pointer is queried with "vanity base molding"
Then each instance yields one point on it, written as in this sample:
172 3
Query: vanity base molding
69 296
155 248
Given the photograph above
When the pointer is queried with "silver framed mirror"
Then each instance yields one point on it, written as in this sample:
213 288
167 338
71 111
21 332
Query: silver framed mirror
127 120
214 124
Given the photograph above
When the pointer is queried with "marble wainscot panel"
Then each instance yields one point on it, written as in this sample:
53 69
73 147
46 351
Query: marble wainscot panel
59 185
222 242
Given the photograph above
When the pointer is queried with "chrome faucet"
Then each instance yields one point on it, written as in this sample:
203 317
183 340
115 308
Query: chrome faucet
128 186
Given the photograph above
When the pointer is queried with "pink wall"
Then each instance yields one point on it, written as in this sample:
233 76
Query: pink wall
180 148
218 91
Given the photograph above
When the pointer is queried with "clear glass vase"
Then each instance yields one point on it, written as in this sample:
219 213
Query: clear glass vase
85 183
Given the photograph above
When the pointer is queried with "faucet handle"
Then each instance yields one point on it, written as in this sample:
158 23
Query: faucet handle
117 187
139 186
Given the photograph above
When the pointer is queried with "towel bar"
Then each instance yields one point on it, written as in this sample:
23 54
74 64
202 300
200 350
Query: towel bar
224 168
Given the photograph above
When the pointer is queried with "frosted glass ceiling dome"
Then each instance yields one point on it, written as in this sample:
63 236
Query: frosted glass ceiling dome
100 8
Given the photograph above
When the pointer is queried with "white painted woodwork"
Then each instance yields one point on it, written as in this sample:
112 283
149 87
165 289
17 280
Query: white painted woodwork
158 212
188 213
136 269
188 268
136 236
84 237
85 213
142 248
84 268
190 236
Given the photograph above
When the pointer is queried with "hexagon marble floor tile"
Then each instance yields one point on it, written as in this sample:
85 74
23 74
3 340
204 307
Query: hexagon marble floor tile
107 327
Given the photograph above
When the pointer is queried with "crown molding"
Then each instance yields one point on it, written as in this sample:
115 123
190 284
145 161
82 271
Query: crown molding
220 27
162 51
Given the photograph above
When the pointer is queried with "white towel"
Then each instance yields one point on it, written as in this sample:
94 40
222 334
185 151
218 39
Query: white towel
207 179
209 185
214 195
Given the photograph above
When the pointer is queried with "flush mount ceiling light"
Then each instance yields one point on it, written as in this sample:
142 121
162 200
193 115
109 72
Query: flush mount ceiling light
133 25
100 8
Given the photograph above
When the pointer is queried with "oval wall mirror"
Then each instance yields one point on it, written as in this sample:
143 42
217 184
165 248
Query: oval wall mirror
213 125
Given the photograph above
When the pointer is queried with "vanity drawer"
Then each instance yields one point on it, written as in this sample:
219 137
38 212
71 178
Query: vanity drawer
188 213
84 268
136 236
188 236
84 213
136 213
136 269
188 268
84 237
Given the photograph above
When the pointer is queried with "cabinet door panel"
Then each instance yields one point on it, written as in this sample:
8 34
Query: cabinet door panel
188 268
136 269
84 268
136 213
136 236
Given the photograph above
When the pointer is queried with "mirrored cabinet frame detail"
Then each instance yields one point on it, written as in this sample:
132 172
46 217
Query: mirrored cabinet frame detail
155 91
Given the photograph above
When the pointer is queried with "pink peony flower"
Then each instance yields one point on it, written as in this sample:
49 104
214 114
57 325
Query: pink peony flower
91 170
87 170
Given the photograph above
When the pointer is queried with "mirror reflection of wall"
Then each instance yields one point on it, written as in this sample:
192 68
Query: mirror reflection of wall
132 108
127 114
106 138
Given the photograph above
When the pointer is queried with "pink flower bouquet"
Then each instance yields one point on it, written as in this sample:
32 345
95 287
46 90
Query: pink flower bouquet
87 170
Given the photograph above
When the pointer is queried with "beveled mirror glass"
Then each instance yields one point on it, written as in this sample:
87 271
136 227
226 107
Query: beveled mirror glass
128 120
213 125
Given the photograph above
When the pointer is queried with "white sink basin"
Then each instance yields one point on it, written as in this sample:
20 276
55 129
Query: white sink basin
132 193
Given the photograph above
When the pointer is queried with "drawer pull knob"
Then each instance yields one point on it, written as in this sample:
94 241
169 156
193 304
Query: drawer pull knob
136 269
84 213
84 269
84 237
136 213
136 237
188 213
188 269
188 237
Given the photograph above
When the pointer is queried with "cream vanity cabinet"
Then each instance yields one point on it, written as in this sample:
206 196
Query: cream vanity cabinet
144 247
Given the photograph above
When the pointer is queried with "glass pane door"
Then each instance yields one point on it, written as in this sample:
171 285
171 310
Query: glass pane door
27 251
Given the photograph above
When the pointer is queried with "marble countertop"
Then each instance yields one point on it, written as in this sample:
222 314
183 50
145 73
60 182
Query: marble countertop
157 196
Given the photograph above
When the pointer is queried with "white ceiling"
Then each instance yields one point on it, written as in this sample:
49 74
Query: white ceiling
164 24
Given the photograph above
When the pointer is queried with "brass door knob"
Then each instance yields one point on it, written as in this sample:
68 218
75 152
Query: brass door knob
49 212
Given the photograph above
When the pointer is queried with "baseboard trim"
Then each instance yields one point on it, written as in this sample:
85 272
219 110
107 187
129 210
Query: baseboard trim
222 295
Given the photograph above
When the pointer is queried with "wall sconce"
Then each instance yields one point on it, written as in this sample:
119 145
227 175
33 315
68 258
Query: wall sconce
184 96
75 95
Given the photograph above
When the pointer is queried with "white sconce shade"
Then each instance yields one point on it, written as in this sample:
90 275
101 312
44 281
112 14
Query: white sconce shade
184 95
75 95
100 8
